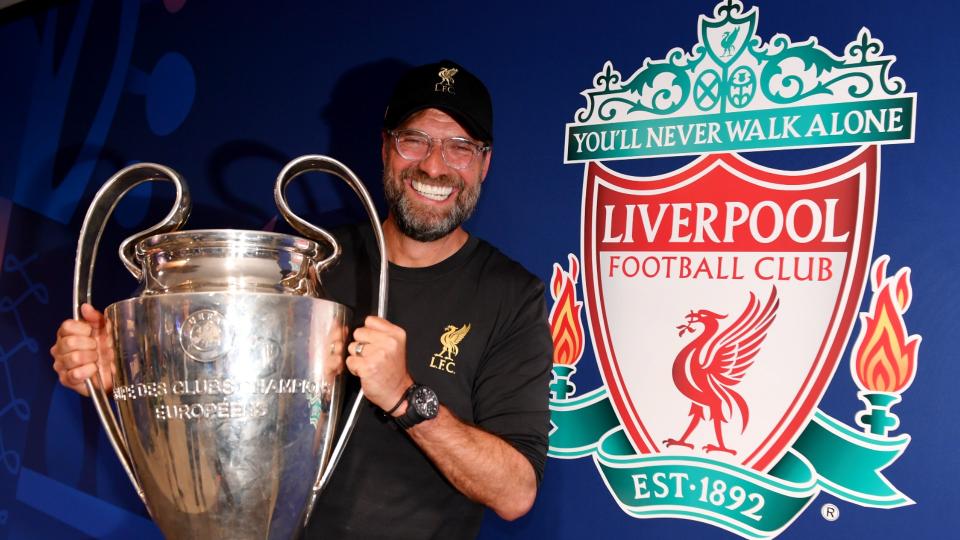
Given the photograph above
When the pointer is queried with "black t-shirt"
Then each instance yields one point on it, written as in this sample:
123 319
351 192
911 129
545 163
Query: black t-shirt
494 377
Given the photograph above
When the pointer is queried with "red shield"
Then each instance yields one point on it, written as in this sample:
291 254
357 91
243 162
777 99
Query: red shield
721 296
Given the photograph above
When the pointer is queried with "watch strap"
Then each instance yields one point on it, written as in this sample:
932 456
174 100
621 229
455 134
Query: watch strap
411 416
408 419
406 394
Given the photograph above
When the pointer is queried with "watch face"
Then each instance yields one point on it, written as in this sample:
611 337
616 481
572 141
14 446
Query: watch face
425 402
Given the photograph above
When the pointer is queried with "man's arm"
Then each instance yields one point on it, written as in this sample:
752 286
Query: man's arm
479 464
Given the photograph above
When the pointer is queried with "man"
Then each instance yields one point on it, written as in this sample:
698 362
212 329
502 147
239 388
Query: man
456 379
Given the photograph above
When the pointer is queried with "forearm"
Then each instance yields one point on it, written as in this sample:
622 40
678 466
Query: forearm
481 465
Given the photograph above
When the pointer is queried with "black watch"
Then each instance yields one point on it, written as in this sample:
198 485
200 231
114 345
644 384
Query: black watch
422 404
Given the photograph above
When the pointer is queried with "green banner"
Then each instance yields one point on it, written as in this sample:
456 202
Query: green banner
889 120
827 456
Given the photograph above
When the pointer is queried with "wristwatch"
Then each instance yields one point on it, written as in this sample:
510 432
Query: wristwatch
422 404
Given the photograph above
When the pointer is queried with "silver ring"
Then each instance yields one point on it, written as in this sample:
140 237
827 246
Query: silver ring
358 350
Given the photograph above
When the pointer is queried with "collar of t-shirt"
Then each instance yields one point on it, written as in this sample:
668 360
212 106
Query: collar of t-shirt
427 273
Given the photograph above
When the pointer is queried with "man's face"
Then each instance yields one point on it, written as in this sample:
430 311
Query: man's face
429 199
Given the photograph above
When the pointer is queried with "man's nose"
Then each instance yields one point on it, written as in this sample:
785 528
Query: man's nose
433 163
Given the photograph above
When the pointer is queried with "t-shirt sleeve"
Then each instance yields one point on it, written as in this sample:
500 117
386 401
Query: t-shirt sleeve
511 393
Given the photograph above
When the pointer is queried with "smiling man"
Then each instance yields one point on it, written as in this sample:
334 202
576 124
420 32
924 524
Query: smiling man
456 416
457 374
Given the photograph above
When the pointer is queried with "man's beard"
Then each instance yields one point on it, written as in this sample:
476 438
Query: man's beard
421 223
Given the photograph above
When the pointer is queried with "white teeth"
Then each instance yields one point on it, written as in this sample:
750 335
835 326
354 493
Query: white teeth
436 193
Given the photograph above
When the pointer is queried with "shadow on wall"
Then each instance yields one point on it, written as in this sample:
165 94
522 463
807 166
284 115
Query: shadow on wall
354 117
234 189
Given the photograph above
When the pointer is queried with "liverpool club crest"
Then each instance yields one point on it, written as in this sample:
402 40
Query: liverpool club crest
763 269
721 297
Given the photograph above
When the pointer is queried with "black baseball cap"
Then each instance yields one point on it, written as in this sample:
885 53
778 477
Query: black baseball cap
446 86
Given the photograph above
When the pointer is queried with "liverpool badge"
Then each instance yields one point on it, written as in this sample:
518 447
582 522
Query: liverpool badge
721 297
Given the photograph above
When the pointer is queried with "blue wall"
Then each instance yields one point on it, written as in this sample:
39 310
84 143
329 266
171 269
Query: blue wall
227 92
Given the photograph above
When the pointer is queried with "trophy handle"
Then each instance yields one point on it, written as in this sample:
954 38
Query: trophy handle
329 165
90 233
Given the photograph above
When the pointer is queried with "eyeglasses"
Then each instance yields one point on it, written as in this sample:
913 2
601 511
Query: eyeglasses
415 145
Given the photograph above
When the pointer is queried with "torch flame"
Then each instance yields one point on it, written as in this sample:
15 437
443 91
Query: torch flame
565 324
885 356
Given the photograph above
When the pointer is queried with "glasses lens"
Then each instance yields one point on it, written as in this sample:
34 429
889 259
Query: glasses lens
412 145
459 153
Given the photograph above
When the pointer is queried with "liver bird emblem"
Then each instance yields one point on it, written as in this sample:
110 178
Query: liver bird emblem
728 40
709 367
451 339
446 75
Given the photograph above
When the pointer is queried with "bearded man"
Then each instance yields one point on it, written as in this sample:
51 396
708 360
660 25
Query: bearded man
456 416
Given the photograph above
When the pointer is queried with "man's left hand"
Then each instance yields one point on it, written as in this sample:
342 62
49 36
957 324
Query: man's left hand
381 362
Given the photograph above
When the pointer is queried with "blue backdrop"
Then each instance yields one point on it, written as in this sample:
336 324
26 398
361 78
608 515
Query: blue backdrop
227 92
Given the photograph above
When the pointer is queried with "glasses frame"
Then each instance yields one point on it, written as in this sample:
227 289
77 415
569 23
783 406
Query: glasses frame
479 148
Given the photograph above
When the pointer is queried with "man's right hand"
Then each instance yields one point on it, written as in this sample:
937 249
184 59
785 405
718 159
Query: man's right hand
81 349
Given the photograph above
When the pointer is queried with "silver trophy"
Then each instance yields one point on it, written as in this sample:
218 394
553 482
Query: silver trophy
229 364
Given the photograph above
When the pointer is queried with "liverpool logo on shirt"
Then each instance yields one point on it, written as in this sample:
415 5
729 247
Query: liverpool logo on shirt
450 341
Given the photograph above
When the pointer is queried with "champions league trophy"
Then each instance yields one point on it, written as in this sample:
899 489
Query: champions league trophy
228 364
